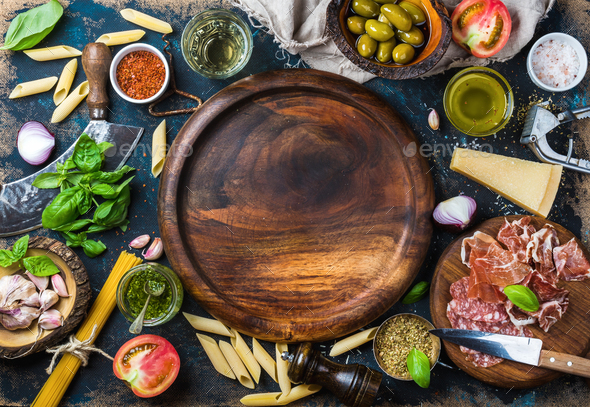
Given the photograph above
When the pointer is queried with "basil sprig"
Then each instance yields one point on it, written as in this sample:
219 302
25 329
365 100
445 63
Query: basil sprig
40 266
417 292
30 27
82 183
419 367
8 257
522 297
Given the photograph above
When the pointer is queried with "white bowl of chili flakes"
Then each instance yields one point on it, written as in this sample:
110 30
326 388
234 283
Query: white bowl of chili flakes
140 73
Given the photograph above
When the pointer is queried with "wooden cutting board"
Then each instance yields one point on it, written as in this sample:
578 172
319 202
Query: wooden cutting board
569 335
289 209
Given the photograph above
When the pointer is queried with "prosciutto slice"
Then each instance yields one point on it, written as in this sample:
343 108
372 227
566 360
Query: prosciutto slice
476 246
540 250
480 287
570 262
502 267
516 236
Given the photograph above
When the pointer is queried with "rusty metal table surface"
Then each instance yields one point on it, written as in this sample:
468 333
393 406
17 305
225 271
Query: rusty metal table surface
198 383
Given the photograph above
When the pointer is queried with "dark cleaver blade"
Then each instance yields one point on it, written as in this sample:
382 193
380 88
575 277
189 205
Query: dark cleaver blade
517 348
21 204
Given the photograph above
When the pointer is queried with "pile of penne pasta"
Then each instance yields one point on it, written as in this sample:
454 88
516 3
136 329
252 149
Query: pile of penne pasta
236 360
66 103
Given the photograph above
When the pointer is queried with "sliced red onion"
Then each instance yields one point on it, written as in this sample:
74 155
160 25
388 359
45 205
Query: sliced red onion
455 214
35 143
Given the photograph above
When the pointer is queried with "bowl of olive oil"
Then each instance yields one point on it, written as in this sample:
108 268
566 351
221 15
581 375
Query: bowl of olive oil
216 43
478 101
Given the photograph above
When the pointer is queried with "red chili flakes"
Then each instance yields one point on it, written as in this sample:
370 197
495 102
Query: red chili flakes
141 74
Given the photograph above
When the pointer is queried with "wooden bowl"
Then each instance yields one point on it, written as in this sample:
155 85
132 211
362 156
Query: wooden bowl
440 29
21 342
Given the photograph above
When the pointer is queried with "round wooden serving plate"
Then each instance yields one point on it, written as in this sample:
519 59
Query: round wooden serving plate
288 207
21 342
570 335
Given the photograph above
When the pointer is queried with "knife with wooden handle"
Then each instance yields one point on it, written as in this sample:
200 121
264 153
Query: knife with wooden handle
516 348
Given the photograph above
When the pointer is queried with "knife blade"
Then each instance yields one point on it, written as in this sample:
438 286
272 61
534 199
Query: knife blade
517 348
22 204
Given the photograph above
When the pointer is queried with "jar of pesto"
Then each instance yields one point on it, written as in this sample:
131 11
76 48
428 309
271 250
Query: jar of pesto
131 296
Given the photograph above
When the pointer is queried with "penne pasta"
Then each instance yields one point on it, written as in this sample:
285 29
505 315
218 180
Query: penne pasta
265 360
51 53
65 81
143 20
216 356
159 149
353 341
33 87
246 355
236 364
208 325
69 104
277 399
121 37
283 368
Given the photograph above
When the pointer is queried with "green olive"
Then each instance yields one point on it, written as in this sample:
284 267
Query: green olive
403 54
384 20
379 31
415 12
397 16
366 46
366 8
385 1
356 24
413 37
385 50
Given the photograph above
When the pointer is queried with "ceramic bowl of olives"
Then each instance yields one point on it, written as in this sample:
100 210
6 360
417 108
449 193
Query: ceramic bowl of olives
393 39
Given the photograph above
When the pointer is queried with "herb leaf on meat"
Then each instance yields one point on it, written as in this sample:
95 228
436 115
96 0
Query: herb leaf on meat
523 297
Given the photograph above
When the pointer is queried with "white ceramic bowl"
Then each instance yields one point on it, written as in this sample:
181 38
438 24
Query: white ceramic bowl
127 50
575 44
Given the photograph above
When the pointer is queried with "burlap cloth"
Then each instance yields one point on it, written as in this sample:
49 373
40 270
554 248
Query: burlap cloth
298 26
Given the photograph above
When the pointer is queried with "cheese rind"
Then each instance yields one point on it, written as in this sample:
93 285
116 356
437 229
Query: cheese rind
531 185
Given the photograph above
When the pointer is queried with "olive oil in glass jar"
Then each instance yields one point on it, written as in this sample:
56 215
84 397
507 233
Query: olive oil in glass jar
216 43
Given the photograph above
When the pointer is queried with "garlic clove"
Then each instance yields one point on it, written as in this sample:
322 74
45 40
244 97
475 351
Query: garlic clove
34 300
40 282
51 319
47 299
155 250
139 242
433 120
59 285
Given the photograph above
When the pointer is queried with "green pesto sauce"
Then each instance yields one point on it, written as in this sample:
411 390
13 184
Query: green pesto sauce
136 296
478 103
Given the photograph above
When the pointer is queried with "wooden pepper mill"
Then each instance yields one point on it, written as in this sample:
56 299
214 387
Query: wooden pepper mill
354 385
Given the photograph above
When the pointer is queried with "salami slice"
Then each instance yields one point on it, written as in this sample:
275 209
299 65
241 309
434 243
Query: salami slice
474 308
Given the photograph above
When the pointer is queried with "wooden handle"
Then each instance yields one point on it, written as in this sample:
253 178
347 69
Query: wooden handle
96 60
562 362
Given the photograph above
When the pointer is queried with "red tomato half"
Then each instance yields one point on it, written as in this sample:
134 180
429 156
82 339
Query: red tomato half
481 27
148 364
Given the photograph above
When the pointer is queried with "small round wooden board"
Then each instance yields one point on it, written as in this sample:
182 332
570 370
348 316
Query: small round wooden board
569 335
21 342
295 207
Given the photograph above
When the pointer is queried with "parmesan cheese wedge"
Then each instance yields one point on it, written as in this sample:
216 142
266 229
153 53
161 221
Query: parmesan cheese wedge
531 185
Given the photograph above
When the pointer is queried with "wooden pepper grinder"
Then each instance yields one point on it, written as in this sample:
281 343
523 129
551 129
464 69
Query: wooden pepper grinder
96 60
354 385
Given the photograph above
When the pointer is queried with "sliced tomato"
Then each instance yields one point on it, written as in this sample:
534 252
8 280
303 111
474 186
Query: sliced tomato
148 364
481 27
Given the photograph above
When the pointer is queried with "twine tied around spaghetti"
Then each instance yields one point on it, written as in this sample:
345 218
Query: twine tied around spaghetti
80 349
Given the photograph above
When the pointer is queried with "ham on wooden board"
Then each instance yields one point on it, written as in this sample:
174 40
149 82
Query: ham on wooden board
531 258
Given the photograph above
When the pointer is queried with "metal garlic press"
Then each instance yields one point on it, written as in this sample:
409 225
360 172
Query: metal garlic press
540 121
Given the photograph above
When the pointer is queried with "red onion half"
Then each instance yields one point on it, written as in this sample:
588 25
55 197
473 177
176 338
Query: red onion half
455 214
35 143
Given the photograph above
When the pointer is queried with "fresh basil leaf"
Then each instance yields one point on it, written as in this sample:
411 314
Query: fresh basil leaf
65 185
74 177
114 211
123 225
98 229
84 200
93 248
74 226
108 191
104 146
63 209
109 177
522 297
30 27
40 266
417 292
20 248
87 155
6 258
419 367
73 239
48 180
